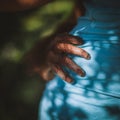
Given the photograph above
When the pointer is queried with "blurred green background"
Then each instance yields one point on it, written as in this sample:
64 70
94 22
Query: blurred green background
19 32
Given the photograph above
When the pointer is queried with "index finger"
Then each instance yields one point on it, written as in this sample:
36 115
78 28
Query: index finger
71 49
67 38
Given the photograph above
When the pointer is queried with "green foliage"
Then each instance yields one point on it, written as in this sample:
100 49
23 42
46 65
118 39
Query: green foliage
19 32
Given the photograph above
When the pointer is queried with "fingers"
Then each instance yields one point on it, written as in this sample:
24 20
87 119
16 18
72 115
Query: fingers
61 73
59 48
66 38
74 40
66 61
45 72
68 48
56 63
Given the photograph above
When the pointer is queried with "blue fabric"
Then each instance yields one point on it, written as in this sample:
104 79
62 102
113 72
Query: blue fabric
97 95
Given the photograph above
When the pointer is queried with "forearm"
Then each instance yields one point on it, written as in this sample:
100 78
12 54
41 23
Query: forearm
20 5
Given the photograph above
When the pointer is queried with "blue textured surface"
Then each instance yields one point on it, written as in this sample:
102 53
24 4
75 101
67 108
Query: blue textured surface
97 95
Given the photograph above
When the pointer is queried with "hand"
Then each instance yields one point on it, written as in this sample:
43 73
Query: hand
57 55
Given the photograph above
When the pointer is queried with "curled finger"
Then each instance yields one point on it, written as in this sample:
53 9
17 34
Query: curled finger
61 73
66 61
71 49
67 38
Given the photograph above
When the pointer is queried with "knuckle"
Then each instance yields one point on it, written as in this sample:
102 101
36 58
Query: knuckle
69 47
59 46
56 68
64 59
83 52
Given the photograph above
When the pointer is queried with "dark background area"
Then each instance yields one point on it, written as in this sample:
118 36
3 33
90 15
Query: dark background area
19 32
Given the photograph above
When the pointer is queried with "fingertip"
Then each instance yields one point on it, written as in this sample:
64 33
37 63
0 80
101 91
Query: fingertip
81 41
68 79
88 57
83 74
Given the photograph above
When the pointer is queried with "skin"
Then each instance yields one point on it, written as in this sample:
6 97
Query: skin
58 55
56 48
21 5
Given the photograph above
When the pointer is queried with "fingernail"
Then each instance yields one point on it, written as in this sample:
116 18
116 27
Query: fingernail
70 80
83 74
88 56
